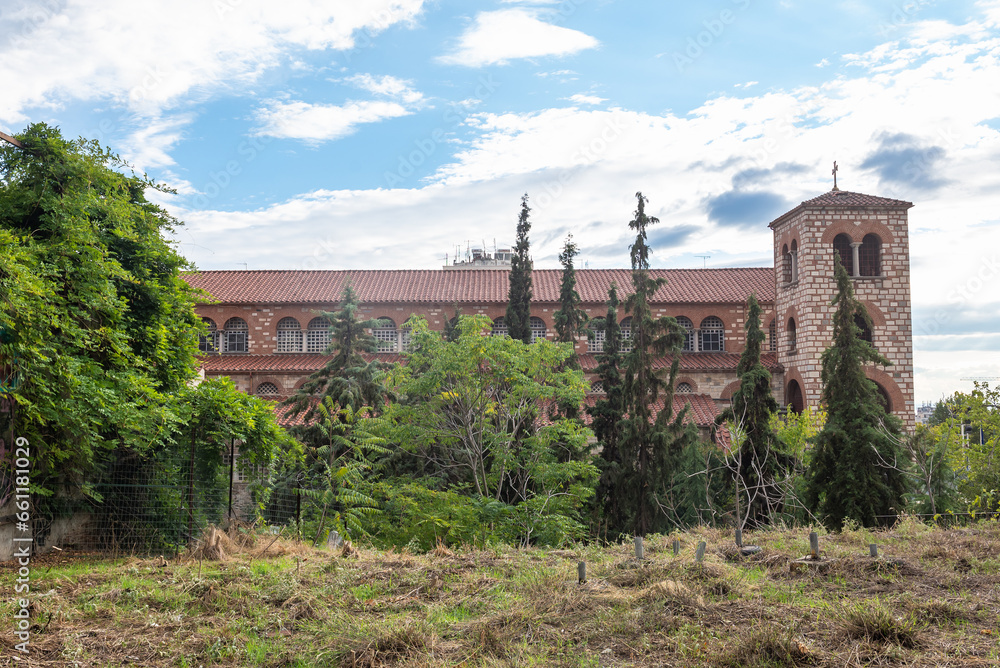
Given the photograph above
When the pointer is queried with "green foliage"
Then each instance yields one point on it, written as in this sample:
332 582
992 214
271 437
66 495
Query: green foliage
975 456
518 317
347 379
338 468
570 319
469 411
856 472
607 415
648 447
101 324
760 460
797 430
934 487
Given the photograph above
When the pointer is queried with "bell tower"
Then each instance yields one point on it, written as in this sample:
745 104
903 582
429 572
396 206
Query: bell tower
870 234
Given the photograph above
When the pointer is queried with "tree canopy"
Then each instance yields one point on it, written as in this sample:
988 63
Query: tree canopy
857 468
518 317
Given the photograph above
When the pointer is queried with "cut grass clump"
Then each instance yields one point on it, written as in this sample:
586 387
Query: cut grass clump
390 648
874 621
765 647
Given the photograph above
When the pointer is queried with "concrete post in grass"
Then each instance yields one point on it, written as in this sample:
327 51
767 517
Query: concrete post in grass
581 571
677 547
739 537
638 547
699 554
873 550
813 545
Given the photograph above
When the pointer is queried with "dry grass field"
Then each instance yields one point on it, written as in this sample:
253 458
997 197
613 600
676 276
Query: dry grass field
932 598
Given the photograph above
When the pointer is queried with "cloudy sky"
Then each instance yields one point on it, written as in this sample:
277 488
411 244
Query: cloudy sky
389 133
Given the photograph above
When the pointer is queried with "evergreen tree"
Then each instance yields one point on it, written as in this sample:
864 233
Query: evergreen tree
518 316
647 445
347 379
607 415
570 319
856 470
760 460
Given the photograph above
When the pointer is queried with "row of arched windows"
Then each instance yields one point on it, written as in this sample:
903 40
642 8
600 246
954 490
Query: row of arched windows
291 339
860 259
865 333
535 324
710 336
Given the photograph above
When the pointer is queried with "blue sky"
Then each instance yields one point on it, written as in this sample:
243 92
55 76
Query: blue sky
318 134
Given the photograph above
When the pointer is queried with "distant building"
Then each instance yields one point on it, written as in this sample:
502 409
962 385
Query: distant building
265 332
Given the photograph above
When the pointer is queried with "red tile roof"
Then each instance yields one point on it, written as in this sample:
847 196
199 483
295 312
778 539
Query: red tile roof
845 200
702 412
696 362
308 363
481 286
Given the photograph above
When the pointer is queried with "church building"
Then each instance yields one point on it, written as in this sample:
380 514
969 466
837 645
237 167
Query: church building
265 332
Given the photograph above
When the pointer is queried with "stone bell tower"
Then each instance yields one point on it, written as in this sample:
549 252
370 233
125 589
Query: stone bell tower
871 236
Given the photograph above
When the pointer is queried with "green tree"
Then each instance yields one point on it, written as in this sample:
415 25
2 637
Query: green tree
470 407
570 319
518 317
607 415
100 322
760 460
649 445
973 435
347 378
856 472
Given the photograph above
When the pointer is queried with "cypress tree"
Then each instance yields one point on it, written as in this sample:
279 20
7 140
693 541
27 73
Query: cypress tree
647 445
570 319
518 317
607 415
760 460
856 470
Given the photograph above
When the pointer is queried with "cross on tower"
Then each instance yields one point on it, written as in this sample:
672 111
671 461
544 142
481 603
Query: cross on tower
834 172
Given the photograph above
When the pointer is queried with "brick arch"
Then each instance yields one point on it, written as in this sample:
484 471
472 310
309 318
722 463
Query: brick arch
787 238
790 375
874 312
889 383
275 380
690 381
729 390
858 232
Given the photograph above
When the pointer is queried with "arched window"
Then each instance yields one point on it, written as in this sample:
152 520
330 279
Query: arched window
289 336
786 265
626 331
209 343
537 326
865 332
870 255
267 390
235 335
883 397
684 388
772 336
686 323
791 335
385 334
318 335
499 327
597 387
842 247
794 253
712 335
793 397
596 337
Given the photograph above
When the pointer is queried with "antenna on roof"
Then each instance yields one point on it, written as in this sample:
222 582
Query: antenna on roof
704 260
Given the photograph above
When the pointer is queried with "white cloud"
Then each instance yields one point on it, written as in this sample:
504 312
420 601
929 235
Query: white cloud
388 86
748 84
497 37
322 122
823 63
147 56
580 98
